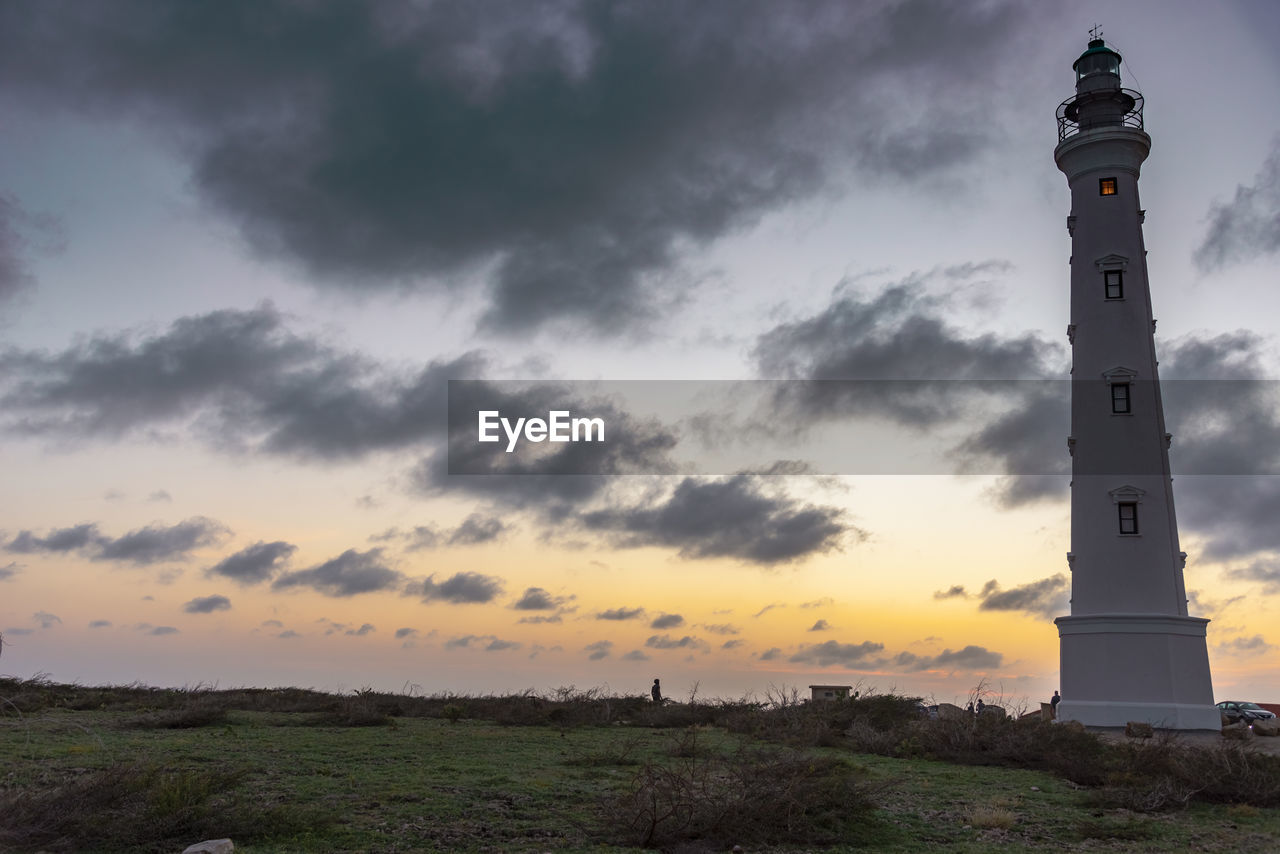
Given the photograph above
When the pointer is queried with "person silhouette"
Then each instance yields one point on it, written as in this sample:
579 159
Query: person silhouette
1053 704
656 691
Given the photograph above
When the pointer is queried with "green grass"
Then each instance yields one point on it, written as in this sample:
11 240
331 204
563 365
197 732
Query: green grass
120 775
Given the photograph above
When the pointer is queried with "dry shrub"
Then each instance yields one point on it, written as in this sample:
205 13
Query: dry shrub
753 797
141 808
991 817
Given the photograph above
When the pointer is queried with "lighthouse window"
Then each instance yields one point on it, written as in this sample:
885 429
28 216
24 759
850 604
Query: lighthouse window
1106 186
1120 398
1115 284
1128 517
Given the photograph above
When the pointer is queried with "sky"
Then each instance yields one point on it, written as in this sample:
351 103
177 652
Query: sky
245 247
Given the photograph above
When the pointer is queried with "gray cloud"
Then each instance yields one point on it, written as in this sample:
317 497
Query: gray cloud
288 634
636 655
537 599
969 658
207 605
152 544
405 632
100 624
620 614
580 147
722 629
820 626
849 655
1266 572
20 231
1255 645
773 653
163 630
477 529
668 642
488 643
59 540
156 543
460 588
598 650
255 563
733 644
737 517
365 629
348 574
46 620
160 496
667 621
955 591
236 378
9 570
1047 597
1248 226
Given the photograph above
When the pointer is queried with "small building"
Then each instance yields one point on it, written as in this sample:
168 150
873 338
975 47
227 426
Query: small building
830 692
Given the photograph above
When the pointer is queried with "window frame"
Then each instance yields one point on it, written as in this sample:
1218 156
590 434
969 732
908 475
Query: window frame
1132 521
1108 186
1107 284
1121 398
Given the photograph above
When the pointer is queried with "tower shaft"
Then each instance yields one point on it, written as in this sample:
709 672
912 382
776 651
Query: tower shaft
1129 649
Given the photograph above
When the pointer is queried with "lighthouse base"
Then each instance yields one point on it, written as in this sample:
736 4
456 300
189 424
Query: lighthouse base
1153 668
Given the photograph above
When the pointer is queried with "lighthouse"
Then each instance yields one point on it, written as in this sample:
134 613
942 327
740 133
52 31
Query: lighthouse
1129 649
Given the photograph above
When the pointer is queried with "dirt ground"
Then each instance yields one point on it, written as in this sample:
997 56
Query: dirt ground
1262 744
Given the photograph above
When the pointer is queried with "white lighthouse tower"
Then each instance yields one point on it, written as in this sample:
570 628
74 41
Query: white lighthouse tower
1129 650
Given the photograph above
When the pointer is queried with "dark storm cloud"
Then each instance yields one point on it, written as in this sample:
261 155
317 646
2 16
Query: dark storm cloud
348 574
969 658
1045 598
460 588
667 621
579 146
1248 226
207 605
152 544
621 614
899 334
736 517
255 563
238 379
850 655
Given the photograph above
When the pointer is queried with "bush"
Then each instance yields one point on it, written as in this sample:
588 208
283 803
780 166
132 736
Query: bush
754 797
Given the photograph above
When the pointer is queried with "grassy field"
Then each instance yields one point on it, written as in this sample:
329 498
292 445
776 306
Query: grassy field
135 769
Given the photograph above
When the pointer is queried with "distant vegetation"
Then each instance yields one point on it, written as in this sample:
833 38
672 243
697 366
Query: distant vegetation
147 769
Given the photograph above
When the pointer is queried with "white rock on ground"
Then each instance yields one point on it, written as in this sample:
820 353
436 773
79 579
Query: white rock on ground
211 846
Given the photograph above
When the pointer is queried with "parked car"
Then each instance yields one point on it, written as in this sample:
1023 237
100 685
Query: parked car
1236 711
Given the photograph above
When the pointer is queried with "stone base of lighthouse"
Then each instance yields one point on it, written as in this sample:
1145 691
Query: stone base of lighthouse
1118 668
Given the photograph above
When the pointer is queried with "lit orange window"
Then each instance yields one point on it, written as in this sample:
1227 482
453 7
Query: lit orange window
1106 186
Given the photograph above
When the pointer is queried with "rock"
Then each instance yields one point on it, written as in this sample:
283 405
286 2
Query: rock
1138 729
1268 727
996 712
949 712
1239 731
211 846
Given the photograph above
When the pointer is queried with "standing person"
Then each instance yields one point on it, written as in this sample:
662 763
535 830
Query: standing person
656 691
981 706
1053 706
